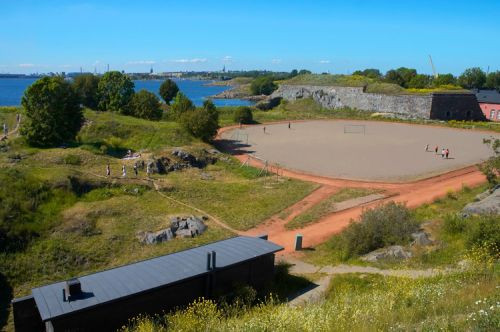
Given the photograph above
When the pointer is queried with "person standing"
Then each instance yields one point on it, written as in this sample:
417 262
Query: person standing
148 170
442 152
289 125
124 171
108 171
264 129
5 129
436 149
447 152
18 117
427 148
135 169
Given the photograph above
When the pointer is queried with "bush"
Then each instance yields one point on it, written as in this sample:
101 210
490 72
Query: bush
53 113
386 225
115 92
145 105
454 224
263 85
201 124
72 159
243 115
181 105
484 230
168 90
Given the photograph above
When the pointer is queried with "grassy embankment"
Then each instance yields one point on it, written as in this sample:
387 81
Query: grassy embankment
71 220
461 299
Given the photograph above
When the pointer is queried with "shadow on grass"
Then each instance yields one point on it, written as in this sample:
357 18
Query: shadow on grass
288 286
6 295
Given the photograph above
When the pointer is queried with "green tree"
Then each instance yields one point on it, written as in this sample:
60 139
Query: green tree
201 123
491 168
293 73
493 80
263 85
115 92
444 79
304 72
145 105
393 76
243 114
209 106
168 90
370 72
472 78
53 113
86 86
420 81
181 104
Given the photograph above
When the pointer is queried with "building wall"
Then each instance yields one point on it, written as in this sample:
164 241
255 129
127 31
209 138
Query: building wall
490 111
432 106
113 315
26 315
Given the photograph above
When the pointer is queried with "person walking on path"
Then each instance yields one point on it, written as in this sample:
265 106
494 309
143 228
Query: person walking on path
447 152
442 152
124 171
289 125
18 117
148 170
5 129
108 171
264 129
436 149
135 169
427 148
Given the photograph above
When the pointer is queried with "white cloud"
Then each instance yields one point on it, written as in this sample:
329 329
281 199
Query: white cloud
324 61
194 60
141 62
26 65
276 61
227 58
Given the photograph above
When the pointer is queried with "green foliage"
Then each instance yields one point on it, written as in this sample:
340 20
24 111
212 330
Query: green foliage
491 168
243 114
444 79
386 225
86 86
115 92
201 123
181 104
263 86
493 80
484 230
168 90
472 78
386 88
333 80
53 113
145 105
401 76
420 81
370 72
72 159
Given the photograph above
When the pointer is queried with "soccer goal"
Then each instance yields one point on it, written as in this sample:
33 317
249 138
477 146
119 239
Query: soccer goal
240 137
355 129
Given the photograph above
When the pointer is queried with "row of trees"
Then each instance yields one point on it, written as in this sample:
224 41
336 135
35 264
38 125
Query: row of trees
54 106
472 78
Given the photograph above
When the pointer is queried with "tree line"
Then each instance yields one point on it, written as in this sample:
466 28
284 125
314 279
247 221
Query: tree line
54 107
471 78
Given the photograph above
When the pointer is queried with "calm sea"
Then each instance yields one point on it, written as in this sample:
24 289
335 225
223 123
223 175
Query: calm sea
12 89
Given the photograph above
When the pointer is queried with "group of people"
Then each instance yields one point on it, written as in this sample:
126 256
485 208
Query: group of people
5 127
135 168
445 152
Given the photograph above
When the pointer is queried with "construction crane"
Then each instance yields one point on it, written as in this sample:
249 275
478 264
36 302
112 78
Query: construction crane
433 68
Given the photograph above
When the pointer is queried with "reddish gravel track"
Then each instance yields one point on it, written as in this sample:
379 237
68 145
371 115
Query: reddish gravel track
413 193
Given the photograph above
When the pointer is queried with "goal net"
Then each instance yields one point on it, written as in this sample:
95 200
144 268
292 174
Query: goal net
354 129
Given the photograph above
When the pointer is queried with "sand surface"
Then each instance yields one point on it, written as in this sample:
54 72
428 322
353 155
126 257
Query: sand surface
385 152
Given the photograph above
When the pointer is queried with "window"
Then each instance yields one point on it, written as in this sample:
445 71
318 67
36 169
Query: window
492 115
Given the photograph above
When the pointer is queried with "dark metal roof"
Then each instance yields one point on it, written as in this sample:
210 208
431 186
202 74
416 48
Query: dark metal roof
128 280
488 96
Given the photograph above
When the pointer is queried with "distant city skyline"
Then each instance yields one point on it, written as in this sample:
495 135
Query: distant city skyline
321 36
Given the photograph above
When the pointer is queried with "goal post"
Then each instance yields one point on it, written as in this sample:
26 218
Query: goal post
355 129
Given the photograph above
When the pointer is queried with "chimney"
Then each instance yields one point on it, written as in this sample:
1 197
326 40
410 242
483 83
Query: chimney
214 263
73 288
209 259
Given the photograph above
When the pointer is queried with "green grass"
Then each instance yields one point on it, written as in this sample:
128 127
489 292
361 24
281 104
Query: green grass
334 80
458 302
8 116
327 206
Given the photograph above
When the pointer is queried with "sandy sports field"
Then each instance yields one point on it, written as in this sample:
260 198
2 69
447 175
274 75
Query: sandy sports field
363 150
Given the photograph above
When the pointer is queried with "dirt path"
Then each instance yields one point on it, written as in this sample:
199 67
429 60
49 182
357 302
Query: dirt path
414 193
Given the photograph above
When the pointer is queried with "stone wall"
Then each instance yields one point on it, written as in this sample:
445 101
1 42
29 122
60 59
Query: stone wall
429 106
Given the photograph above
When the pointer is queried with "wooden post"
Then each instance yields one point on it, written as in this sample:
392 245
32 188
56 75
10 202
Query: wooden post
298 242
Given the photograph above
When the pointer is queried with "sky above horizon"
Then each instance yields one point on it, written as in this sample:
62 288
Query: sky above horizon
322 36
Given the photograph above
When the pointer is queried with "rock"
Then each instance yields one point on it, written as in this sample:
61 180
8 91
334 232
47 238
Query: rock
421 238
488 205
206 176
185 156
156 237
392 252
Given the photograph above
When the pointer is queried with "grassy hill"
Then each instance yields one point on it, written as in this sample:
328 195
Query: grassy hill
65 218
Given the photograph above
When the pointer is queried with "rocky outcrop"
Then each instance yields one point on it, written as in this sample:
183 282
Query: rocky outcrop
445 106
489 204
180 159
421 238
392 252
180 227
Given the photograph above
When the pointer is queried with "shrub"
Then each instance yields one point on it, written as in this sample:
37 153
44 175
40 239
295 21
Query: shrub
145 105
243 115
201 124
263 85
115 92
484 230
181 105
53 113
454 224
385 225
72 159
168 90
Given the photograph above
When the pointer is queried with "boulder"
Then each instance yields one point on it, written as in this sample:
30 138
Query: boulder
392 252
487 205
156 237
421 238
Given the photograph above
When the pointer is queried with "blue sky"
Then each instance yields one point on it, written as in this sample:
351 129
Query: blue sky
322 36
